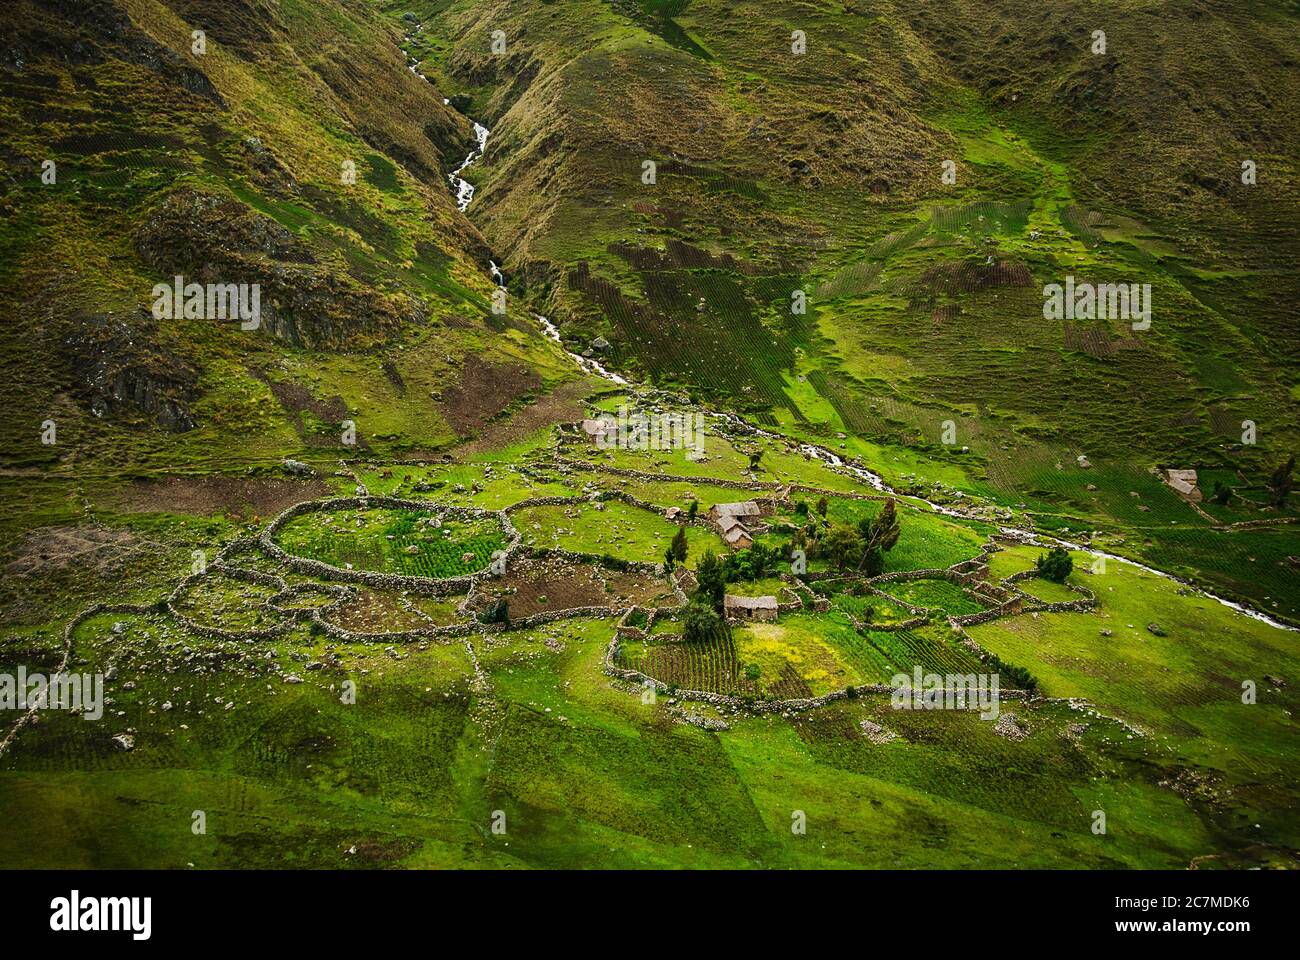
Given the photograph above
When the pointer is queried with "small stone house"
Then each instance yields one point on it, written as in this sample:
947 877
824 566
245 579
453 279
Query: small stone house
733 521
1183 483
747 508
749 608
601 430
735 533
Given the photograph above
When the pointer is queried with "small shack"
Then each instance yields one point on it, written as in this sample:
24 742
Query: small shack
1183 483
735 533
746 508
733 522
749 608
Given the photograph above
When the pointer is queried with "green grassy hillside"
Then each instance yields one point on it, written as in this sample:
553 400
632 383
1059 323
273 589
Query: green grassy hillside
924 326
829 222
296 152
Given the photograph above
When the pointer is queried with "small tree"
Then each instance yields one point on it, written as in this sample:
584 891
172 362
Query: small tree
1280 483
844 546
712 578
693 510
754 459
878 537
701 622
1222 493
669 561
822 507
678 547
886 528
1056 566
801 508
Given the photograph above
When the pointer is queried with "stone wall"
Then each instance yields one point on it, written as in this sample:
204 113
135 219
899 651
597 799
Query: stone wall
382 581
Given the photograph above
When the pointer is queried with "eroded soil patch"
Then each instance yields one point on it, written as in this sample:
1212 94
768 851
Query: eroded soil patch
247 497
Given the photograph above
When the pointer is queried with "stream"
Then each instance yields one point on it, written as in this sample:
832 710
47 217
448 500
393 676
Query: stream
462 188
465 193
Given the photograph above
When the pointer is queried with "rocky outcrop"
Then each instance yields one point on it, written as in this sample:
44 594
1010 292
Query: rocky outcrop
92 31
214 238
119 370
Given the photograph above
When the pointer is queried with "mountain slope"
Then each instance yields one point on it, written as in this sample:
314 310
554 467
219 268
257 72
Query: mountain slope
292 150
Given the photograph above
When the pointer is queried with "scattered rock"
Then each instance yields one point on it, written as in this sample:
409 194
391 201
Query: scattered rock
876 733
1011 727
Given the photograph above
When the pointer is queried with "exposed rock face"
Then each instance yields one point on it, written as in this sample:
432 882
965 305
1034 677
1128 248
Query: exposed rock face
99 30
117 371
210 238
193 229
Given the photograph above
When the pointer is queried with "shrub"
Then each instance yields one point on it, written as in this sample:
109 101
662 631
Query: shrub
1056 565
1279 485
701 622
678 546
844 546
873 561
712 578
498 612
879 537
1020 677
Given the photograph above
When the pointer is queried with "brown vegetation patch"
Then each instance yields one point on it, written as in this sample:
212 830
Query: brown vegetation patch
376 611
485 390
95 550
540 586
202 496
1095 340
969 276
561 405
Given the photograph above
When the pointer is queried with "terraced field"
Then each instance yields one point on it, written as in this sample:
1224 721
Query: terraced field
395 541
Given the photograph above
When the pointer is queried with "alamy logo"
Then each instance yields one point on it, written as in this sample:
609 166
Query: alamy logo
1099 301
951 691
654 431
209 301
78 692
133 914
